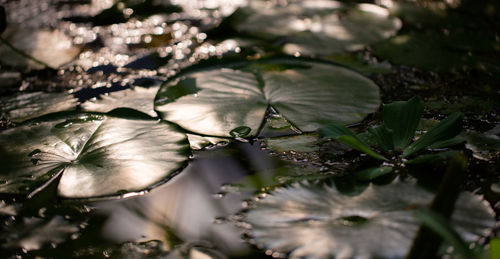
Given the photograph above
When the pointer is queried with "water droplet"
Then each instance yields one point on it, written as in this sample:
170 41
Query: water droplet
240 132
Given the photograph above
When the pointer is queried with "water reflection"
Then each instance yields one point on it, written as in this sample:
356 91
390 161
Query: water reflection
188 204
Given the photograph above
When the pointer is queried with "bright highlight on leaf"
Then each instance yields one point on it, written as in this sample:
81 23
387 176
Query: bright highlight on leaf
92 154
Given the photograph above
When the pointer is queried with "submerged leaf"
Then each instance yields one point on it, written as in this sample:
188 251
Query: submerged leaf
30 105
448 128
319 27
317 221
307 93
98 155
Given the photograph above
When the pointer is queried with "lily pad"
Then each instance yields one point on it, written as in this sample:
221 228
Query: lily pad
307 93
300 143
138 98
31 105
46 47
320 27
91 154
318 221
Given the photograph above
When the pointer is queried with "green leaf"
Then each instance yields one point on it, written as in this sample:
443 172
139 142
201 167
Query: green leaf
99 155
402 119
307 93
448 128
372 173
383 136
495 248
432 158
442 227
307 220
346 136
319 27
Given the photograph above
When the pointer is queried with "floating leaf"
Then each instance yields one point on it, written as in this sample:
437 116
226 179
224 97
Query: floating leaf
30 105
320 27
34 233
402 119
446 129
93 154
346 136
439 52
431 158
299 143
484 146
306 93
318 221
138 98
46 48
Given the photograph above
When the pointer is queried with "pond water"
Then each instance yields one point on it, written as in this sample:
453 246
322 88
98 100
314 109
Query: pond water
224 66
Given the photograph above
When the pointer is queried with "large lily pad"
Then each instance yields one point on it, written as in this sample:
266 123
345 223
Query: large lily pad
320 27
93 154
307 93
317 221
31 105
48 48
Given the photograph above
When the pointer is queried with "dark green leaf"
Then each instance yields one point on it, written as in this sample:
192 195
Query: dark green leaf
495 248
403 118
184 87
372 173
431 158
346 136
442 227
383 136
448 142
446 129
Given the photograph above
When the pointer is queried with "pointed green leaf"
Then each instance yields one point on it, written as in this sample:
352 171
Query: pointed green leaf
431 158
495 248
448 128
442 227
372 173
383 136
402 119
346 136
99 154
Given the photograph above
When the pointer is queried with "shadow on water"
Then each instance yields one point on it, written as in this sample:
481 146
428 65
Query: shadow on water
191 204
